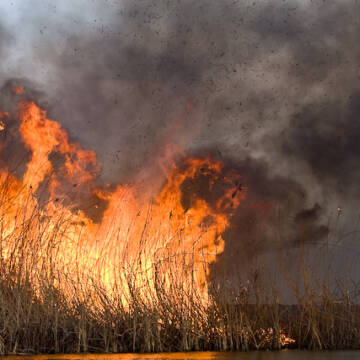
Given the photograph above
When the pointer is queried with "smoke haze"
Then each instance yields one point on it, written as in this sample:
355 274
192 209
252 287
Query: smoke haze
269 87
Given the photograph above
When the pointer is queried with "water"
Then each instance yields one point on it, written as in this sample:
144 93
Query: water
256 355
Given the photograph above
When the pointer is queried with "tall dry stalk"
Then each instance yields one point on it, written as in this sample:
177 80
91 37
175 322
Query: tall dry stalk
50 304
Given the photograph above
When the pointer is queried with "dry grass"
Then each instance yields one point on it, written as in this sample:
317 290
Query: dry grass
50 306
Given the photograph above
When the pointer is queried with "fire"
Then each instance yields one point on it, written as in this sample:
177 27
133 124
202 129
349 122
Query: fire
113 234
18 89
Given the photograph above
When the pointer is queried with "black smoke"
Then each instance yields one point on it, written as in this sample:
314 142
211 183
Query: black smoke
270 87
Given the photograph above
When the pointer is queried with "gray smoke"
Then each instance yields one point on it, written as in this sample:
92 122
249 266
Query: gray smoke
269 87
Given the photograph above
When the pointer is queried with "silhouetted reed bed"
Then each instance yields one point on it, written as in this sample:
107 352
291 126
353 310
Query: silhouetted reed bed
46 308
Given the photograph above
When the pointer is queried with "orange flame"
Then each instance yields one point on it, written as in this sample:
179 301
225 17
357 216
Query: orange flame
175 236
18 89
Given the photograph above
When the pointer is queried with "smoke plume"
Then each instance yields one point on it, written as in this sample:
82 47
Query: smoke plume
271 88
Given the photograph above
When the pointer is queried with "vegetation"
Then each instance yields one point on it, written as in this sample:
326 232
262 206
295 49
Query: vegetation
50 306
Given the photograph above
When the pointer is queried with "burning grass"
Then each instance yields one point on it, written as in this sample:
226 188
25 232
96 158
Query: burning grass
51 305
136 277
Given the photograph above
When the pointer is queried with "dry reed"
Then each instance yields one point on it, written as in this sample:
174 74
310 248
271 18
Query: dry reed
46 308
